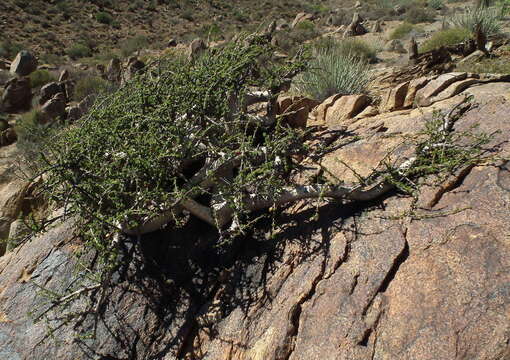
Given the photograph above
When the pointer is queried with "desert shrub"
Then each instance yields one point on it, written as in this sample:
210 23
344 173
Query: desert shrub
129 158
402 31
491 66
90 85
136 43
40 78
77 51
9 49
104 18
487 18
445 37
333 71
291 40
419 14
435 4
351 46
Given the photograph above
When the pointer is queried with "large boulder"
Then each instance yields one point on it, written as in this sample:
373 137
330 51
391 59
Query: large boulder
24 64
53 108
17 95
49 90
196 48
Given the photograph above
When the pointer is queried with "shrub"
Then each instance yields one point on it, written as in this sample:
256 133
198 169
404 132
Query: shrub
435 4
332 71
491 66
355 47
79 51
402 31
487 18
134 44
90 85
40 78
104 18
418 14
9 49
444 38
129 158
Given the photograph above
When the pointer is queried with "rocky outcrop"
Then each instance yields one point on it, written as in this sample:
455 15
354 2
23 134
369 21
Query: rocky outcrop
300 18
404 277
17 95
49 90
24 64
53 108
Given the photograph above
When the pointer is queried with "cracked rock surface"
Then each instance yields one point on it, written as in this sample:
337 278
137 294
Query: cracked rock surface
364 281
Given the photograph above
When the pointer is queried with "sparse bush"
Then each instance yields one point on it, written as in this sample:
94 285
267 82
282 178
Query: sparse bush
90 85
9 49
435 4
333 71
40 78
350 46
403 30
444 38
487 18
79 51
491 66
104 18
419 14
134 44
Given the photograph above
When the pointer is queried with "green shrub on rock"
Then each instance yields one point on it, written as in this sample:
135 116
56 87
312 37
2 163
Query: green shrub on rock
444 38
40 78
131 157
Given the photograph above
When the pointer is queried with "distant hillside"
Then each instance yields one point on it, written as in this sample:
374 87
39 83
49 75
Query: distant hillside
49 27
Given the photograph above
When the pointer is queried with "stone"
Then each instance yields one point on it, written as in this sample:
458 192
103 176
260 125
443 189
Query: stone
18 229
454 89
64 75
196 48
321 111
49 90
53 108
298 107
473 57
414 86
300 18
8 136
17 95
346 107
399 9
114 70
395 45
377 28
282 24
133 67
369 111
434 87
355 28
395 97
5 64
23 64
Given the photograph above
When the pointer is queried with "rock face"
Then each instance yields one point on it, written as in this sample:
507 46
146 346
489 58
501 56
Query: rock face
24 64
402 278
54 107
300 18
49 90
17 95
